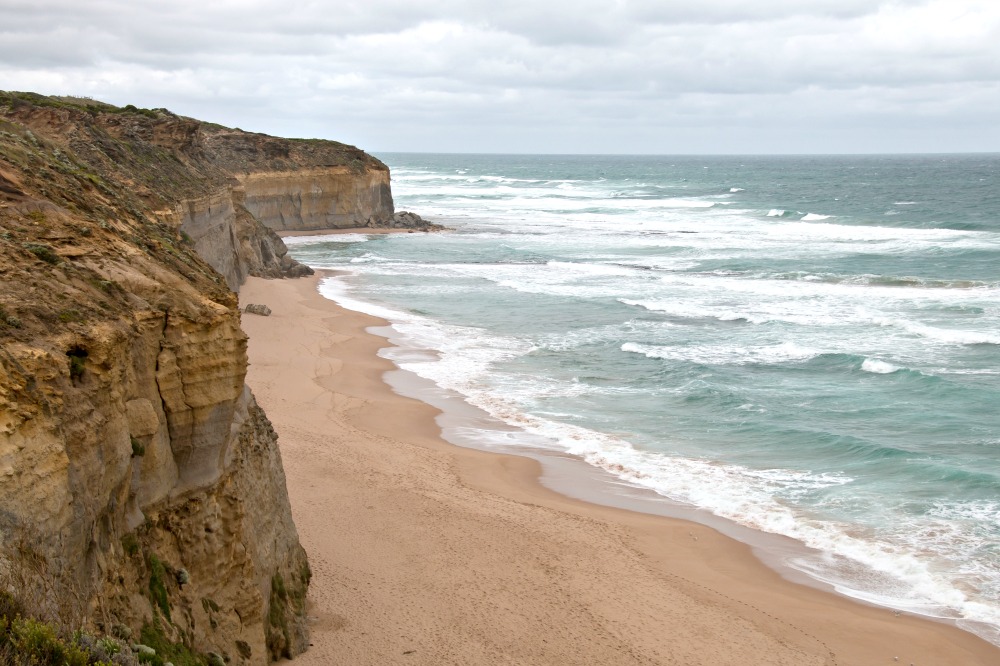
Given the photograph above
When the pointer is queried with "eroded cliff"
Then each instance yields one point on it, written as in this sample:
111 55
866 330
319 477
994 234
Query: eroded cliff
225 189
141 487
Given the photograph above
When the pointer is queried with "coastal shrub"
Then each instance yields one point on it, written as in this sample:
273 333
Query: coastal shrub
138 449
7 319
77 362
34 642
130 544
70 315
178 654
10 606
43 252
131 108
158 586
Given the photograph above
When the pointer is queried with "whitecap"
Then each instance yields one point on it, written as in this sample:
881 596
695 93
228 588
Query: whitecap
786 352
878 367
775 212
367 257
948 335
325 238
736 189
812 217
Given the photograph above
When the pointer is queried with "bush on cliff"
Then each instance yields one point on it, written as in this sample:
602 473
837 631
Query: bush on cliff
26 641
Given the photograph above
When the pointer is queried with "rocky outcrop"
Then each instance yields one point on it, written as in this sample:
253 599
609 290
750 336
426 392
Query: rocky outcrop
411 221
141 487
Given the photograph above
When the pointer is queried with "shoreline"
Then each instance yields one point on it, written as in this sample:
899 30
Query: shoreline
424 552
347 230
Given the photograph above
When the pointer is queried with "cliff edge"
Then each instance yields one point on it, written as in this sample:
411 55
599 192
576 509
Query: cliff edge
227 191
141 487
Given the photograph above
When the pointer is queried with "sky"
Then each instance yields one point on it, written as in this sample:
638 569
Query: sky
544 76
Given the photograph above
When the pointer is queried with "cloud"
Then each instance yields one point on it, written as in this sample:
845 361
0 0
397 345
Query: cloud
536 76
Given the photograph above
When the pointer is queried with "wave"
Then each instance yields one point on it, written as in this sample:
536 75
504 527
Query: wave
734 190
693 311
326 238
368 257
464 360
874 280
946 335
878 367
786 352
815 217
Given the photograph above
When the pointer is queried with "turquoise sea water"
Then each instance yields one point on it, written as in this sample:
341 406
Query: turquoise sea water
808 346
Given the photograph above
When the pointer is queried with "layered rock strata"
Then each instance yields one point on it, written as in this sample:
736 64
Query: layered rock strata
325 197
141 487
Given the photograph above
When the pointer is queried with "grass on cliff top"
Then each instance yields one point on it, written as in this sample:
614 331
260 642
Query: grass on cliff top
80 103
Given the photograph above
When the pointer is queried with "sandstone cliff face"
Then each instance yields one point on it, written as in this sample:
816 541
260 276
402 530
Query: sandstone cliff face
231 239
319 198
141 487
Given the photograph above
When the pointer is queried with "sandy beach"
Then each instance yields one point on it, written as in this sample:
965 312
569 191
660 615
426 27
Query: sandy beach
427 553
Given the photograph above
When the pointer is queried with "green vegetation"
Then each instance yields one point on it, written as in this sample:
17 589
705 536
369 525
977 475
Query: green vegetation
130 544
34 642
7 319
129 108
138 449
77 362
42 251
29 641
158 586
79 103
178 654
284 600
277 635
70 315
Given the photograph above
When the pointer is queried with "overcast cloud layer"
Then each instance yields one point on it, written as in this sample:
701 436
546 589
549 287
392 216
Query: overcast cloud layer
587 76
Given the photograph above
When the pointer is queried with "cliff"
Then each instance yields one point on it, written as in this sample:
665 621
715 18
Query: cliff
224 189
141 487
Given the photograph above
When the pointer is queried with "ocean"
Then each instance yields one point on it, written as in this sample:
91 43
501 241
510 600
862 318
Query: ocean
804 346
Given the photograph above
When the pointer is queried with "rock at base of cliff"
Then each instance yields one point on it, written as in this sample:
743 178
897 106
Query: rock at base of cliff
406 220
257 309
